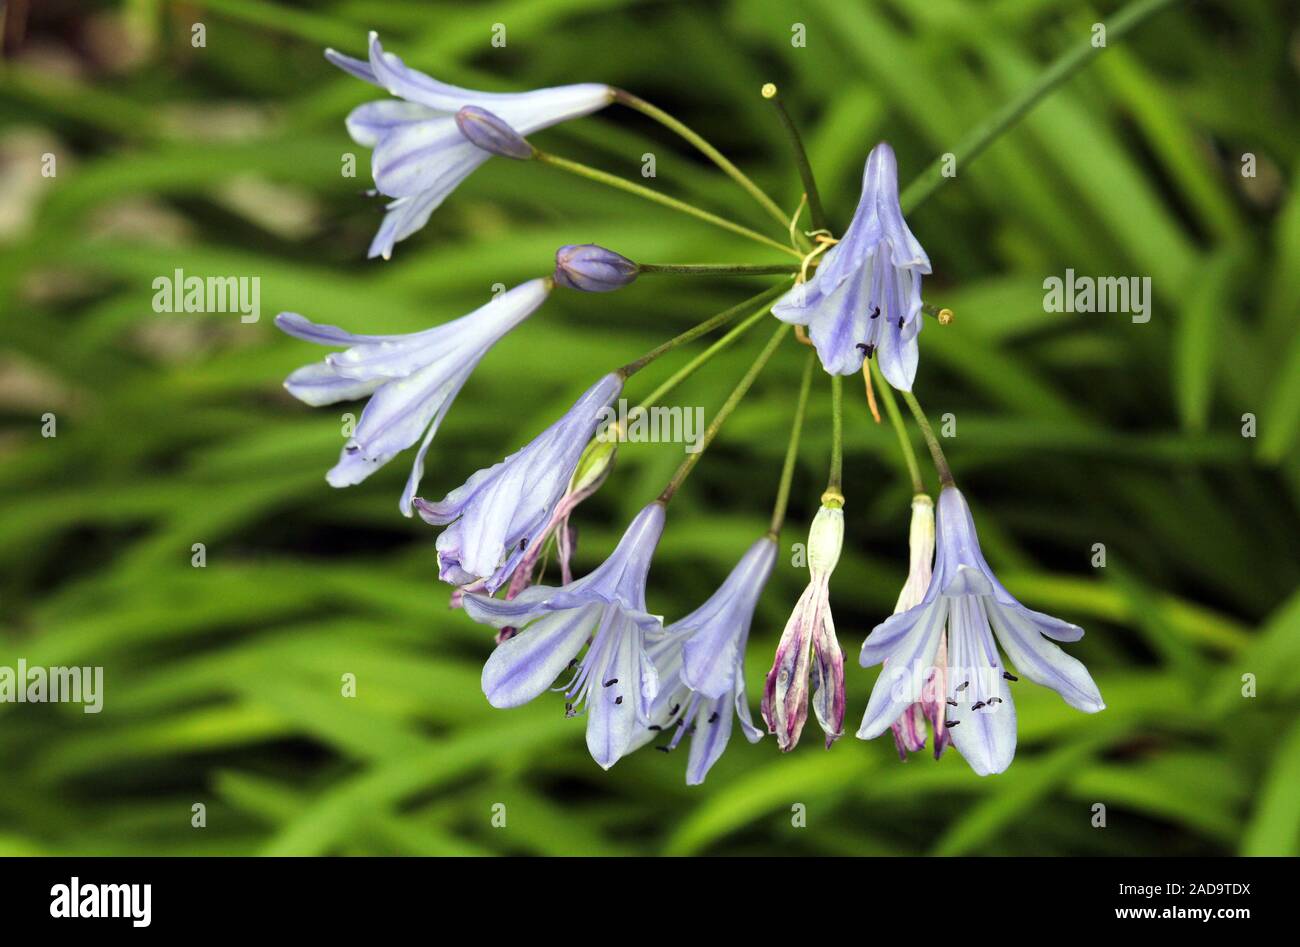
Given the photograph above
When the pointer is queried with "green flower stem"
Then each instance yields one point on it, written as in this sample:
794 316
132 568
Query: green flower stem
815 210
724 412
763 300
713 154
719 269
936 452
900 429
691 367
1065 66
595 174
792 449
835 483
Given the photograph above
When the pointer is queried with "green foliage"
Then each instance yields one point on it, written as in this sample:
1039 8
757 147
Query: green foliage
223 685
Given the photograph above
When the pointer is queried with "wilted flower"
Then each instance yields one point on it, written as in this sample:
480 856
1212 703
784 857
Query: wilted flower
809 633
411 379
909 729
966 599
593 269
865 297
499 512
700 661
420 152
616 681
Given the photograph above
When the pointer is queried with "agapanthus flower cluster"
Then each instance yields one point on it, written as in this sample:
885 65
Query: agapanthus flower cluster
636 679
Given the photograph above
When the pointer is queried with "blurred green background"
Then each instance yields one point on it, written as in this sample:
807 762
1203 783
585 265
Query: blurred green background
222 684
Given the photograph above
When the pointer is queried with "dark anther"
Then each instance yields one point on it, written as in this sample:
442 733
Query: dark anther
871 350
654 726
963 685
951 723
618 699
664 749
673 712
952 703
977 705
612 680
995 700
900 322
523 544
1009 676
714 718
875 313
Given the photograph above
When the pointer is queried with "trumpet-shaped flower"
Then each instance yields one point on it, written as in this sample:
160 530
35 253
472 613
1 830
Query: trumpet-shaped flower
909 729
700 661
865 297
502 511
616 681
809 634
964 608
411 380
421 153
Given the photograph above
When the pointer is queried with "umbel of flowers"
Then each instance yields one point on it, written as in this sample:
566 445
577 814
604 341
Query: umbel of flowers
637 679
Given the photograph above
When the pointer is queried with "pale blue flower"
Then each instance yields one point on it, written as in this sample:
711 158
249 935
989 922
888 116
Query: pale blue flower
420 153
865 297
411 380
616 682
503 510
964 607
700 661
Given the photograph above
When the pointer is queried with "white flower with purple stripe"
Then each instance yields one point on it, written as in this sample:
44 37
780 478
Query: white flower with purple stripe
966 603
499 512
616 682
411 380
420 153
865 296
701 666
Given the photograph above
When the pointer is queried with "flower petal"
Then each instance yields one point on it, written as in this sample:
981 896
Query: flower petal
913 655
1041 661
527 664
982 726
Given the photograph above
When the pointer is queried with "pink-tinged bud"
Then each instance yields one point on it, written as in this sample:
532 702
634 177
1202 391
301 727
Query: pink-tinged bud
808 645
593 269
492 134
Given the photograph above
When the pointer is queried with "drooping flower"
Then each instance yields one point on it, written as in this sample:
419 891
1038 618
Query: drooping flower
865 297
593 269
421 153
500 512
809 634
964 608
616 681
411 380
909 729
700 661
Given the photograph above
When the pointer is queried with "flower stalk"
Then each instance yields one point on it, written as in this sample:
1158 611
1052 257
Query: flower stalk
760 196
815 210
630 187
792 448
724 412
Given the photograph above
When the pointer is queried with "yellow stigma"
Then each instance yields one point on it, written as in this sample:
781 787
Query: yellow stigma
945 316
769 90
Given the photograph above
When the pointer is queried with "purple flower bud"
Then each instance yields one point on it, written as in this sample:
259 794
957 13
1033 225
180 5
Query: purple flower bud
593 269
492 134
